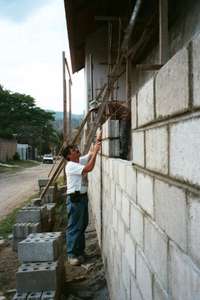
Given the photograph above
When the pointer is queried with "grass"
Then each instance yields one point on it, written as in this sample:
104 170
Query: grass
60 181
17 165
6 225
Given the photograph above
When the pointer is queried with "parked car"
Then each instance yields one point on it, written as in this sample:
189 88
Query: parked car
48 159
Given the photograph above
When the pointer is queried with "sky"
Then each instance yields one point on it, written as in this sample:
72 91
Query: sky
33 35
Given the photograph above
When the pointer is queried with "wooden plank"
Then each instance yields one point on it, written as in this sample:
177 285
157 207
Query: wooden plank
163 32
149 67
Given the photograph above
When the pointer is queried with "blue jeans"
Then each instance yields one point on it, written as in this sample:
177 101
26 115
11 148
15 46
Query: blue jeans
76 226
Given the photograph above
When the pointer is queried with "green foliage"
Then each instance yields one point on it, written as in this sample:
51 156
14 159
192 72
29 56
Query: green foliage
21 117
6 225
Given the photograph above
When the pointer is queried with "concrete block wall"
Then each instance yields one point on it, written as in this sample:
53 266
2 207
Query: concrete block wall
110 138
148 211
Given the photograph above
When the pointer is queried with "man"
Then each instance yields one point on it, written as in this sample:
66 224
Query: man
77 201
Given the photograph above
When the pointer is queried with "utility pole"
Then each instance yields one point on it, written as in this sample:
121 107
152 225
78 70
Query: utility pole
64 100
64 109
70 109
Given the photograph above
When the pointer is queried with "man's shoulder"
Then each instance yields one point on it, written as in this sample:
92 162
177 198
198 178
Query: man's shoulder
73 166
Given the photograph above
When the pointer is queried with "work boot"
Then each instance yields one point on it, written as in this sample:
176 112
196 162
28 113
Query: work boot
74 261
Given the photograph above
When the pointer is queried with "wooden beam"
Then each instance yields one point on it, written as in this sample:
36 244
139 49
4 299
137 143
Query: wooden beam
132 22
149 67
163 32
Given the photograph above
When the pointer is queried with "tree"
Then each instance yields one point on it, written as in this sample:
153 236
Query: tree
21 117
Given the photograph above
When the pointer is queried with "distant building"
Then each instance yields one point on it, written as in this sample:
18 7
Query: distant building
7 149
23 151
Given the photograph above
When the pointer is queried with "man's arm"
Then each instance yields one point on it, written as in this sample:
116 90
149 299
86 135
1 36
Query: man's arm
90 165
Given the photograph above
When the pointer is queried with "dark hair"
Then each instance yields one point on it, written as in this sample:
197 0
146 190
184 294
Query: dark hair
66 151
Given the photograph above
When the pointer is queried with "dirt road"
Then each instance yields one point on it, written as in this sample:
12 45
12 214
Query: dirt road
15 188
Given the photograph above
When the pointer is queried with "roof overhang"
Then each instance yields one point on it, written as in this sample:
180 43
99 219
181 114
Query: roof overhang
81 17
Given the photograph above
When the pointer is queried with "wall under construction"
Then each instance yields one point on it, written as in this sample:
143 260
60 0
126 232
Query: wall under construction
148 214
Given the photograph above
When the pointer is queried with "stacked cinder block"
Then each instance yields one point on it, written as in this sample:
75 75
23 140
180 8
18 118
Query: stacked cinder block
50 195
110 136
149 209
29 219
41 273
38 216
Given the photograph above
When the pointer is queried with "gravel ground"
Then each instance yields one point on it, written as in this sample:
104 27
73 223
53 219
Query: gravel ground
17 187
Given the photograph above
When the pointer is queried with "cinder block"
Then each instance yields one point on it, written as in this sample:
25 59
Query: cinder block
42 182
131 186
146 103
184 276
49 295
172 85
36 202
122 172
51 210
112 193
134 112
32 214
50 195
137 224
130 252
34 296
111 148
194 227
145 196
21 230
185 151
159 292
138 148
125 276
135 292
20 296
171 211
157 149
40 247
111 129
196 71
121 233
155 248
118 198
35 277
115 171
115 219
144 276
125 211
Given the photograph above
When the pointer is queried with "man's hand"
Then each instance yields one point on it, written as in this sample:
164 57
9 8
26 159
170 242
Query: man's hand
99 136
97 147
91 151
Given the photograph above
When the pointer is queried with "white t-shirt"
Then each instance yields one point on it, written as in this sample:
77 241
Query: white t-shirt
75 180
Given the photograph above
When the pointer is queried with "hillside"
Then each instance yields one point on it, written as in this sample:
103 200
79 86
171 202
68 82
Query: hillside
58 123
